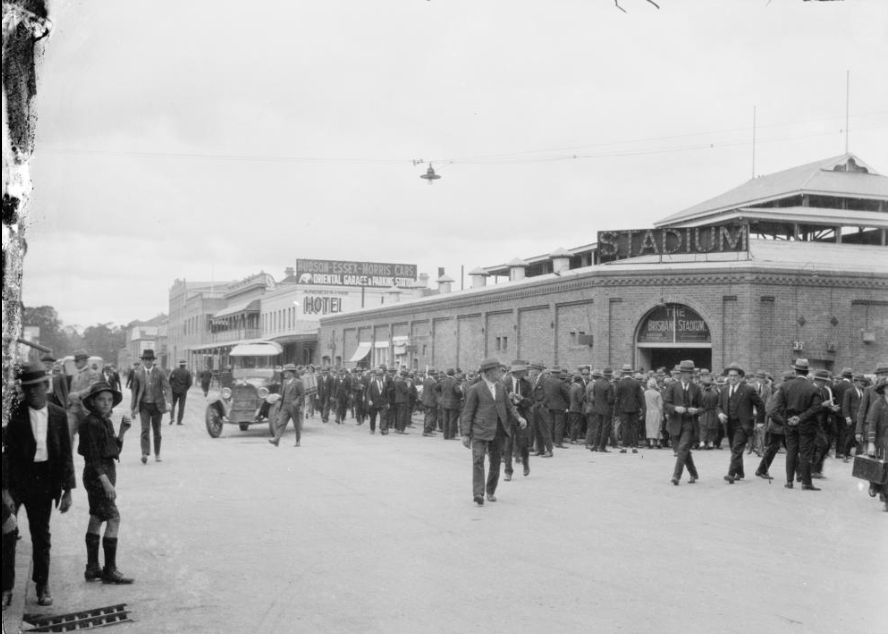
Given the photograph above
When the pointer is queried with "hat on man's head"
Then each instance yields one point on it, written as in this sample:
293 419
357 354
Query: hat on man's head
788 375
847 373
821 375
518 365
706 379
736 368
536 365
81 354
181 361
97 388
608 372
403 371
881 384
289 367
881 368
858 377
686 366
627 369
596 374
48 358
489 364
451 372
32 374
800 364
761 374
148 354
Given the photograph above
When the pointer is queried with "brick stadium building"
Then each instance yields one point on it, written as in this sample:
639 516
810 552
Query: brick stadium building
803 273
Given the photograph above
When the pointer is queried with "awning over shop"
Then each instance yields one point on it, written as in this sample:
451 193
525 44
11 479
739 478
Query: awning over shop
264 349
251 306
362 351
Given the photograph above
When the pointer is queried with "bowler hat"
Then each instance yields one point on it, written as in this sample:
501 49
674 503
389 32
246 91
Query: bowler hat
148 354
801 364
608 372
686 366
489 364
81 354
847 373
821 375
627 369
736 367
32 374
97 388
451 372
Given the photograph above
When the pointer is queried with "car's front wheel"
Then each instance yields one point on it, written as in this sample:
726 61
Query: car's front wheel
214 422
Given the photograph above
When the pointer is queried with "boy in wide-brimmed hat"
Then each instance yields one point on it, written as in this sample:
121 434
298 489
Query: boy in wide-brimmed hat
100 449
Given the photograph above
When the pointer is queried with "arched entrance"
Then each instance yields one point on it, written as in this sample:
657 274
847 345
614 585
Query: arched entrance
671 333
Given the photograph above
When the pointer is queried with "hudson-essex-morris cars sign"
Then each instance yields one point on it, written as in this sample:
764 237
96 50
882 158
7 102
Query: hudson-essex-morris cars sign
619 245
344 273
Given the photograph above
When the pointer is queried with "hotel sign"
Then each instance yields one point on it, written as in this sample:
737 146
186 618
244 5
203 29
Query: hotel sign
619 245
345 273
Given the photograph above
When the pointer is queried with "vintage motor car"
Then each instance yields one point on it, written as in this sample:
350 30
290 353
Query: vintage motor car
254 383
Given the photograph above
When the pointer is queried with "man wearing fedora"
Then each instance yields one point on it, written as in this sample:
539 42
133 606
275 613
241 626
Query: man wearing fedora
40 474
850 407
430 391
868 400
82 380
839 388
558 402
740 409
448 404
629 407
682 400
541 432
292 399
180 382
521 394
825 422
151 400
775 417
377 402
485 422
801 402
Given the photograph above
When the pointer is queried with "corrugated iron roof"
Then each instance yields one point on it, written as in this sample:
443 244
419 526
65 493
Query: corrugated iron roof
813 178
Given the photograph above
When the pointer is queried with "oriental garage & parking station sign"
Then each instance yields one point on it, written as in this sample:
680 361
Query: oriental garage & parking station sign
346 273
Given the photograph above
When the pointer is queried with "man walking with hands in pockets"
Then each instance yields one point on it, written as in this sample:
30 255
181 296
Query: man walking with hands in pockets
485 422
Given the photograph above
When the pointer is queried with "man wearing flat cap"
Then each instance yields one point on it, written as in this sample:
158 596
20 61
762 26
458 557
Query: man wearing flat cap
180 383
40 475
82 380
58 392
801 402
485 422
740 409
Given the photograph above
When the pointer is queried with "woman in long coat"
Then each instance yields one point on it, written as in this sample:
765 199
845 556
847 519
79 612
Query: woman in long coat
653 416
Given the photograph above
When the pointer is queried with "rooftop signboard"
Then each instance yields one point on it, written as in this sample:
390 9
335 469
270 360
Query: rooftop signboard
346 273
723 238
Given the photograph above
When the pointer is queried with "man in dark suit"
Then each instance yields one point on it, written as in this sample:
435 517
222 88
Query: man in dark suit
377 402
429 403
41 472
446 399
402 402
739 408
850 407
839 388
326 383
558 402
776 421
520 394
292 400
629 406
541 421
151 400
485 422
58 392
180 383
801 402
868 401
682 401
600 402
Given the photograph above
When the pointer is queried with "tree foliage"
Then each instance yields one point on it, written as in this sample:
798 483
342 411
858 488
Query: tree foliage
104 340
52 335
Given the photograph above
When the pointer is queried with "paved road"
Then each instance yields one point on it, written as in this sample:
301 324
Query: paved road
359 533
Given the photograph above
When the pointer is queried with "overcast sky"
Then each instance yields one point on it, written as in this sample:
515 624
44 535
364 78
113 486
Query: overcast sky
214 139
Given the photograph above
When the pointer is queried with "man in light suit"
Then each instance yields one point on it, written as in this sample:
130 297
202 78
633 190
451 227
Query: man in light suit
152 397
739 408
292 399
485 422
682 401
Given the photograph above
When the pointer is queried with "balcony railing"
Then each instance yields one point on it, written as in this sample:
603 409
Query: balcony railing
237 334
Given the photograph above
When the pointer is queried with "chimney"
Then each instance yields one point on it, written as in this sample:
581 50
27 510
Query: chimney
479 277
423 281
393 295
445 284
289 271
516 269
560 260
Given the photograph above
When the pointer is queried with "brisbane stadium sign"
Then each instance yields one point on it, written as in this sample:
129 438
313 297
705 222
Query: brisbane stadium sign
724 238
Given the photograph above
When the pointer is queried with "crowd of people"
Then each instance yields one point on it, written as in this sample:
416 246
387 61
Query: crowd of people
810 413
504 413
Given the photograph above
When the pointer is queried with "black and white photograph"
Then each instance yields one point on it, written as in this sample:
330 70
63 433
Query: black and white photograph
442 317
